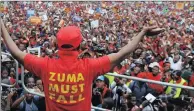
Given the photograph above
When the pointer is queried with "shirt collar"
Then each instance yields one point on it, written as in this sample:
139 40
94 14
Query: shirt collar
68 55
178 81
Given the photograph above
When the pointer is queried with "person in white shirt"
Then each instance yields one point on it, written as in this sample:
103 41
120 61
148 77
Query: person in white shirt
176 62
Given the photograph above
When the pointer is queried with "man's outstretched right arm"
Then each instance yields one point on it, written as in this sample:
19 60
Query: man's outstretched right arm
14 50
104 64
116 58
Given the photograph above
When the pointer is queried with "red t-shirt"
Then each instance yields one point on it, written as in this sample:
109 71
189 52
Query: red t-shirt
191 81
12 80
120 71
67 80
148 75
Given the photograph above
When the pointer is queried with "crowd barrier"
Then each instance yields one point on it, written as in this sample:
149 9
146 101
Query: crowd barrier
110 74
151 81
17 76
25 88
0 65
101 109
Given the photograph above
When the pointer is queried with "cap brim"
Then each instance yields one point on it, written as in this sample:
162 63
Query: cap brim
99 79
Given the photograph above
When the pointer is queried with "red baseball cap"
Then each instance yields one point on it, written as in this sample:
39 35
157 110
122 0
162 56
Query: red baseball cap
69 38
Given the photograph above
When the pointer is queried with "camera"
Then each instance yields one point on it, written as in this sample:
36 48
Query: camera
119 90
99 49
187 99
15 89
97 91
157 101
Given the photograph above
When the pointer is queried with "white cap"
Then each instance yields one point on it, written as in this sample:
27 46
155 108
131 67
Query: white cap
94 39
154 64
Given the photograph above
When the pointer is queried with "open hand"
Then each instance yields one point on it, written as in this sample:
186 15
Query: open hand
146 29
153 30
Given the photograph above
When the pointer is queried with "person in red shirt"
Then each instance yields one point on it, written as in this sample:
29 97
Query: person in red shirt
119 69
153 75
67 80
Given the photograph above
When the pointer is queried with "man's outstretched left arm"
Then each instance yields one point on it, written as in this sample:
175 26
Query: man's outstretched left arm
13 48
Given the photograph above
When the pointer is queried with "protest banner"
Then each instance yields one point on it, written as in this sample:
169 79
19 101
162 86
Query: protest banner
35 20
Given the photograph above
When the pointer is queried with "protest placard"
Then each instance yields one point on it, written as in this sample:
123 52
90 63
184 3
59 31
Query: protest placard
103 5
97 15
43 16
115 9
179 5
30 13
118 17
34 51
35 20
76 18
1 7
191 8
165 10
50 4
91 11
67 10
192 27
98 10
150 97
95 24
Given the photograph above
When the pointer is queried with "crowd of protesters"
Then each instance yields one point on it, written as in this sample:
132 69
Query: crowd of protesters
167 57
